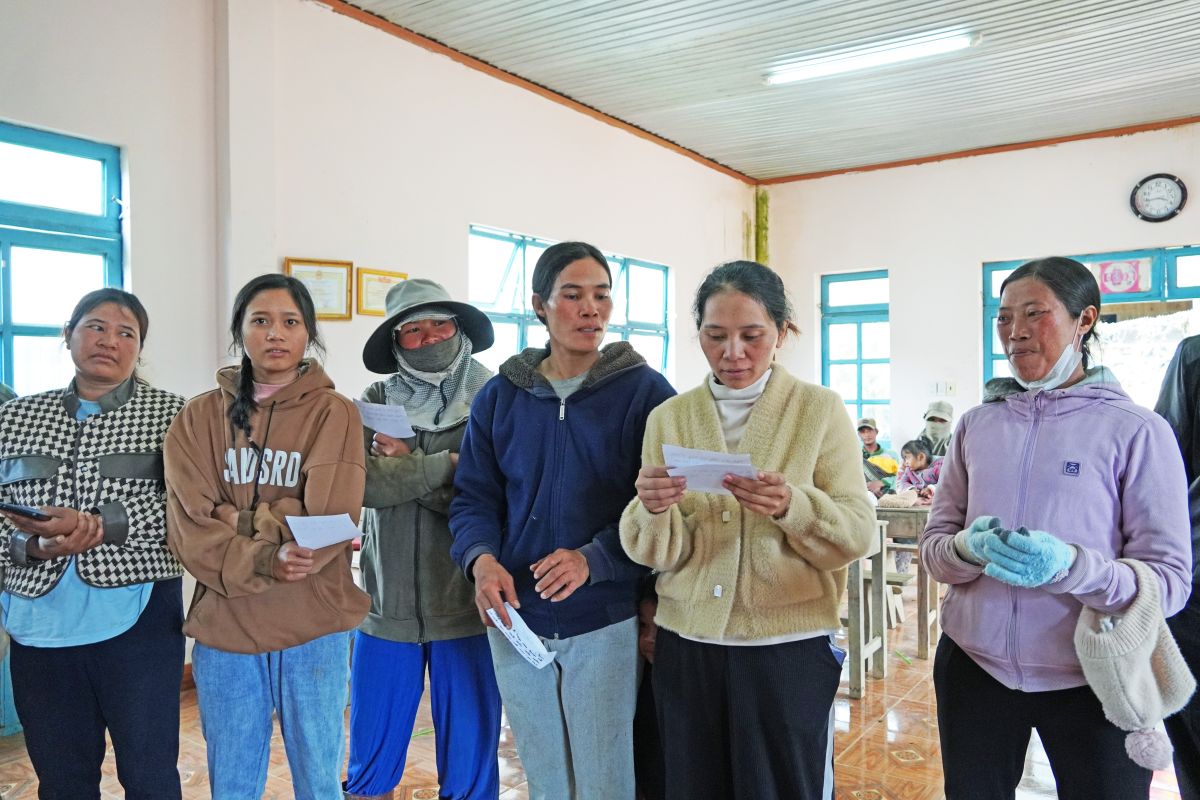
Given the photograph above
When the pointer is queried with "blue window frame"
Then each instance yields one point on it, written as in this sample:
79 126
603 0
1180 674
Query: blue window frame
1126 276
856 344
60 237
500 284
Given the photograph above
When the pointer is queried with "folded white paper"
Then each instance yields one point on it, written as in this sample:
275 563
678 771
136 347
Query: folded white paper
524 640
388 420
705 469
322 531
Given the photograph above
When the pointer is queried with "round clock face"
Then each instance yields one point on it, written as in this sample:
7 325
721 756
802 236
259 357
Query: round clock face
1158 197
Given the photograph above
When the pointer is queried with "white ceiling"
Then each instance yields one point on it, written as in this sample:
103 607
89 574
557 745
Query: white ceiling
691 71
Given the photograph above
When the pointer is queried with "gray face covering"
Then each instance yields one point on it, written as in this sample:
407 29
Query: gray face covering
435 357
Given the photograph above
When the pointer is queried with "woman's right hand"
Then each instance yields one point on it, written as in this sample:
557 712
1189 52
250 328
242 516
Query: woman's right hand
384 445
657 490
292 562
88 532
493 585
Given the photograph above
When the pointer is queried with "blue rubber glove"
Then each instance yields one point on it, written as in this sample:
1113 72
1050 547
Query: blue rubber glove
1028 558
974 538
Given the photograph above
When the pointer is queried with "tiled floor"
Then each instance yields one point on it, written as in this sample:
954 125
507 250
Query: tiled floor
886 747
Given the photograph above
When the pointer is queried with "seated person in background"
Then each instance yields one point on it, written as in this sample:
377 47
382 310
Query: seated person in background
880 473
920 471
939 425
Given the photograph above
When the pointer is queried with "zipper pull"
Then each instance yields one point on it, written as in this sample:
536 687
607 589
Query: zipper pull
562 409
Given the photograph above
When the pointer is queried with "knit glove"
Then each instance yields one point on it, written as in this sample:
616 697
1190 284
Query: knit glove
1028 558
970 543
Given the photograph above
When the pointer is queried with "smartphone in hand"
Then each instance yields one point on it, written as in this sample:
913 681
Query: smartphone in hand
25 511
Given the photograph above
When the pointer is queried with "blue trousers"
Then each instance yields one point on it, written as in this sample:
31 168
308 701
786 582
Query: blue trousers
67 696
305 686
387 680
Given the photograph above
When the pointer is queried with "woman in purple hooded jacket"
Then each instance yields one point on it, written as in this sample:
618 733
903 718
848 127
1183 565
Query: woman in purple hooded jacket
1056 476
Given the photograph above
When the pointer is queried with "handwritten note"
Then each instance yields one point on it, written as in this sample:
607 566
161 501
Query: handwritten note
524 640
322 531
705 469
388 420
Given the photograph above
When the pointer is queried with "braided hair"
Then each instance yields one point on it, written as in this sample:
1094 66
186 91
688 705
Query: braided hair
243 406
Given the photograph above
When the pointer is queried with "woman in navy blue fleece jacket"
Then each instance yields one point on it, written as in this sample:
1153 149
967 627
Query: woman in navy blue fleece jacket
548 463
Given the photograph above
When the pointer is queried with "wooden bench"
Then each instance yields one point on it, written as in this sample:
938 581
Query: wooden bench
861 643
894 581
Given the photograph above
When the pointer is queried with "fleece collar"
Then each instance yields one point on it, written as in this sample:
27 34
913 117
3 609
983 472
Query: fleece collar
522 369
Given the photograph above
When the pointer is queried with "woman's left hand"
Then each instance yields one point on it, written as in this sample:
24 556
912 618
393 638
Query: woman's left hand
384 445
769 495
87 533
62 522
559 574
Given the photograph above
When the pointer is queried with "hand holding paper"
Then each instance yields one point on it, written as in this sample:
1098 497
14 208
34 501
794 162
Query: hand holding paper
705 470
522 638
389 420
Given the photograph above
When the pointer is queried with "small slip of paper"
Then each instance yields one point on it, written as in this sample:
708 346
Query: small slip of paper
322 531
388 420
524 640
705 469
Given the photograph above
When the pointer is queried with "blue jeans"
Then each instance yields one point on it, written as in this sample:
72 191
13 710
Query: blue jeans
387 681
573 719
304 685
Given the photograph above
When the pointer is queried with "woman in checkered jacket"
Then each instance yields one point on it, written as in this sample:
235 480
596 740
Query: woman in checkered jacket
93 598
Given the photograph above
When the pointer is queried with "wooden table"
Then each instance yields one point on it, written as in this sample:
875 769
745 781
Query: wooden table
904 526
861 644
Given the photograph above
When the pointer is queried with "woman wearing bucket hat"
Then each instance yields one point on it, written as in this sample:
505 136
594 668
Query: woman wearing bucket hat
423 614
548 462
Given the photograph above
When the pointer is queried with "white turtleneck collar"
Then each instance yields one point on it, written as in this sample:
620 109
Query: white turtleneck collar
734 406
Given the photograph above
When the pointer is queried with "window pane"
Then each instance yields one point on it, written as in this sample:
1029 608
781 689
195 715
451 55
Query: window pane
619 275
505 345
536 334
533 252
876 340
40 363
999 277
1001 368
647 295
843 341
41 178
609 338
851 412
877 381
1187 271
652 348
487 260
858 293
997 342
843 379
46 284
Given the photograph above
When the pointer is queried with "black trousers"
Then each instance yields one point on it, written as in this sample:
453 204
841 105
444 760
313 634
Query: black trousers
745 722
1184 726
67 696
985 727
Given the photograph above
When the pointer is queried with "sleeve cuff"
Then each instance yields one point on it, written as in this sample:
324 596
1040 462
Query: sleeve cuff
1076 575
116 523
264 558
599 564
960 548
473 553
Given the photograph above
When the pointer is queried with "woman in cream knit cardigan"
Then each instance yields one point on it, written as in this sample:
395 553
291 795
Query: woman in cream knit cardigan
745 669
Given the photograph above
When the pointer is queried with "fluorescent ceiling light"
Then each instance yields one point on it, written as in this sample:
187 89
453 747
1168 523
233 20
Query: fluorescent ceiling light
876 55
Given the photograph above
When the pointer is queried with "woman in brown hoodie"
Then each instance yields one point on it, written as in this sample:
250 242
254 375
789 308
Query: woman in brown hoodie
270 618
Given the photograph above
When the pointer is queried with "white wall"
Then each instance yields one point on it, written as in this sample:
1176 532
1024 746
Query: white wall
384 153
137 75
934 225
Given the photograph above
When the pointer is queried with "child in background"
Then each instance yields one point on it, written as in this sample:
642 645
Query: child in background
920 470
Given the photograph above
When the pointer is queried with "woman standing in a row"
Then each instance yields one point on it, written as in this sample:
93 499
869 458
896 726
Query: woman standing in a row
271 619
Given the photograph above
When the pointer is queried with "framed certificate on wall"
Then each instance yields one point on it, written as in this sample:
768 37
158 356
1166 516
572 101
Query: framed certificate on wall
328 282
373 286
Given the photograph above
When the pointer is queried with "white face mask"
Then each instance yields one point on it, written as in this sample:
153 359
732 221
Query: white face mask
1060 373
